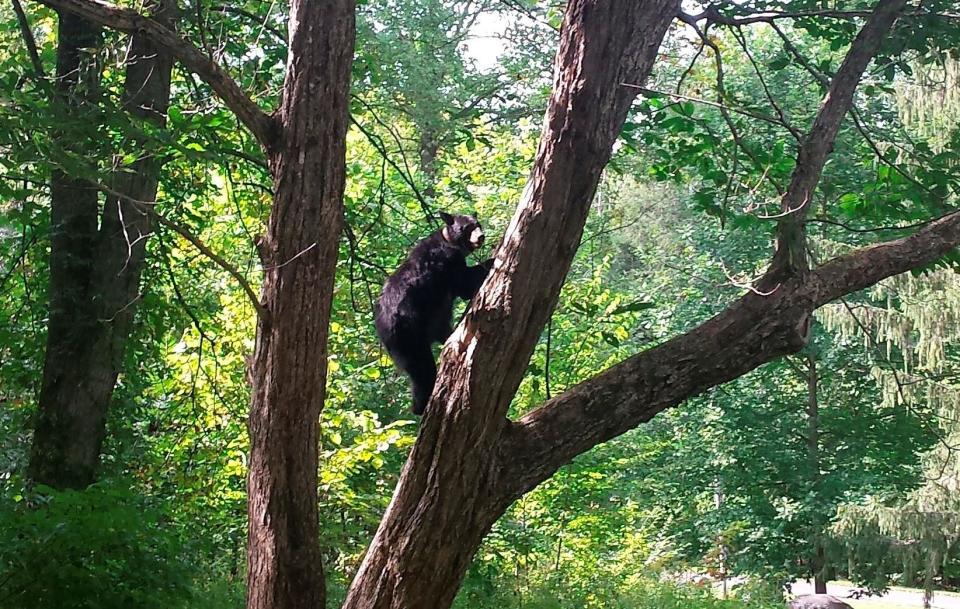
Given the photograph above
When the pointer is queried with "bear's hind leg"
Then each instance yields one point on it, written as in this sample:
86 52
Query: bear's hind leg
417 362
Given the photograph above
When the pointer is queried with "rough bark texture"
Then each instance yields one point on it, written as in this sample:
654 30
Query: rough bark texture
299 252
791 255
752 331
451 490
94 272
469 462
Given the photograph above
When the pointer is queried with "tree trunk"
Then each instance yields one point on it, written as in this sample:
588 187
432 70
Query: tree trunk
469 461
455 484
308 164
818 555
428 148
94 272
69 429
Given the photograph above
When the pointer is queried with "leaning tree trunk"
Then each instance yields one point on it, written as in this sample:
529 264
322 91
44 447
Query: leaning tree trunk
469 461
453 487
307 161
94 271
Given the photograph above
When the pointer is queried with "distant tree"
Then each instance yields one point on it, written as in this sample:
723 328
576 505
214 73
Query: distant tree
97 250
771 456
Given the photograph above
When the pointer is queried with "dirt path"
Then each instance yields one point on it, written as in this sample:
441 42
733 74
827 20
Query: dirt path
895 597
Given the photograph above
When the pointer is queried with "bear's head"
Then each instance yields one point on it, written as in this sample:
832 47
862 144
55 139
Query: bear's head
462 231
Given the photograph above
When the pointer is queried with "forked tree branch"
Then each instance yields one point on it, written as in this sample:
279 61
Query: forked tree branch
130 21
791 254
756 329
753 331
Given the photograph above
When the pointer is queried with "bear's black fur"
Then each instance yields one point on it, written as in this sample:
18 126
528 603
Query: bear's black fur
416 305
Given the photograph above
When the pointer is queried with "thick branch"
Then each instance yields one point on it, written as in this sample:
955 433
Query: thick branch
754 330
867 266
130 21
791 239
712 15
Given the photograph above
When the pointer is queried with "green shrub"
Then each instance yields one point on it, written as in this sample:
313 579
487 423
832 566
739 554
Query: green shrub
642 594
102 548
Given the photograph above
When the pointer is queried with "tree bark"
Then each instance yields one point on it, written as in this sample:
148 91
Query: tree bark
94 272
454 485
308 165
470 462
818 553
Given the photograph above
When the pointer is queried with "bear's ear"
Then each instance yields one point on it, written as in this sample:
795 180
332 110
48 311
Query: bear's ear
447 218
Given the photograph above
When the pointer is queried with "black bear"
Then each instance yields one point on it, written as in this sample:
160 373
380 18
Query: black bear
416 305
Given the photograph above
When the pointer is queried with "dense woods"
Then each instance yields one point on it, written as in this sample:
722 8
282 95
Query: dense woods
716 353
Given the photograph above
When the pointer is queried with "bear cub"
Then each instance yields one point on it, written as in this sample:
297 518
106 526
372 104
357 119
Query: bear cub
415 308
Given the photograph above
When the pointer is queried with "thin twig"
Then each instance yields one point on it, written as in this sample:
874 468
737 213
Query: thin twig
381 148
741 39
713 15
147 207
403 157
223 8
698 100
875 229
28 39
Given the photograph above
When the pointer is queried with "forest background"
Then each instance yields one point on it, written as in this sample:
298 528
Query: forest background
838 461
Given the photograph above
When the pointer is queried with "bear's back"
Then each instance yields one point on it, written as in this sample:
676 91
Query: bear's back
422 286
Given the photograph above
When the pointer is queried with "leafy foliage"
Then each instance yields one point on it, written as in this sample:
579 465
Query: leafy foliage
105 547
681 224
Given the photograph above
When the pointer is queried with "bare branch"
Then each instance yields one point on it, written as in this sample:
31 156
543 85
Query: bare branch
147 207
741 39
405 175
261 21
217 259
256 120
